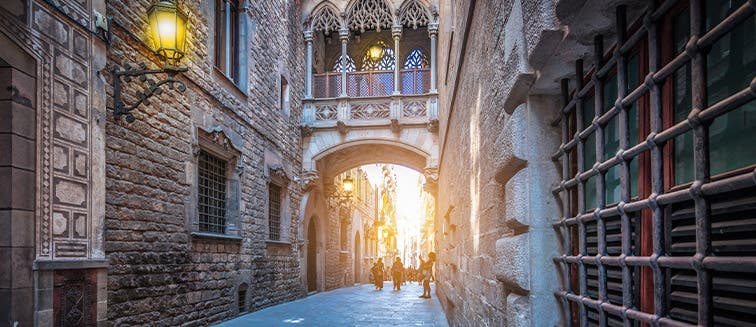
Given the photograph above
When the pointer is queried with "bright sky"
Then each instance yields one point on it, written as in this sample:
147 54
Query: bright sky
410 215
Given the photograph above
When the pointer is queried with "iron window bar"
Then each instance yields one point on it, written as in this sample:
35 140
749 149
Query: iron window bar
212 193
703 263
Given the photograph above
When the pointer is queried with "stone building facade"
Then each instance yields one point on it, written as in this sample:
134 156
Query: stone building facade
104 221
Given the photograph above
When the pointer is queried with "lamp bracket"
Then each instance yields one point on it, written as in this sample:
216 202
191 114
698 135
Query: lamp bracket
125 74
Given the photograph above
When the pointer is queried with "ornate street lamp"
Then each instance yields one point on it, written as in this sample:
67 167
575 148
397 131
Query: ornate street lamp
345 193
168 27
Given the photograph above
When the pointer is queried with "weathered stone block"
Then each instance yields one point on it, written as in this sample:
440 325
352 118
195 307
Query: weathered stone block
518 311
513 262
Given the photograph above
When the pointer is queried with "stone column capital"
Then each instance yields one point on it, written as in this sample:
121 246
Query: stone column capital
308 179
308 36
344 35
396 31
433 29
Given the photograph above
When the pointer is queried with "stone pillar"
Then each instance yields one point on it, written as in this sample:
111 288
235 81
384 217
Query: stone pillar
344 37
433 33
396 32
308 80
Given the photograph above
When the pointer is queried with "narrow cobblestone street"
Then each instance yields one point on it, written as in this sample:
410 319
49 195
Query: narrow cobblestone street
352 306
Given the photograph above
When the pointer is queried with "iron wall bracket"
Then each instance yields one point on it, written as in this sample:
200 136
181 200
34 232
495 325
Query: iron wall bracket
125 74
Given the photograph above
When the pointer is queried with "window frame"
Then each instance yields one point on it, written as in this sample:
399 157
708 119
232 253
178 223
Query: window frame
228 49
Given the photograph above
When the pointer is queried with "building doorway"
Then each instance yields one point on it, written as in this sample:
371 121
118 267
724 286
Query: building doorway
357 259
312 257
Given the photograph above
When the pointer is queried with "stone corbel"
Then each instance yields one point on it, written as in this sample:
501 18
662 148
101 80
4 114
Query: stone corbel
239 169
433 126
308 180
305 130
431 180
395 127
342 127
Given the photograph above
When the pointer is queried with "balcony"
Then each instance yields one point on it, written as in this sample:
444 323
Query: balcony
394 110
371 83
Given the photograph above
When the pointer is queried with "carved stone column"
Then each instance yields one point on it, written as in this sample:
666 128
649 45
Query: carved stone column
308 80
396 32
433 33
344 37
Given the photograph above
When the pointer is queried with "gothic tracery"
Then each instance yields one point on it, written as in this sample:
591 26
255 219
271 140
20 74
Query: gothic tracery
414 14
370 14
326 19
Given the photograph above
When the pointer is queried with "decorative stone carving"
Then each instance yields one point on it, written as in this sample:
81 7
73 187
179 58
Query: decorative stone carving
325 19
370 14
218 137
306 130
370 111
342 127
308 180
278 173
395 127
433 126
414 14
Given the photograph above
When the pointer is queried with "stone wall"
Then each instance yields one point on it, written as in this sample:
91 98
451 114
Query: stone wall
494 234
161 273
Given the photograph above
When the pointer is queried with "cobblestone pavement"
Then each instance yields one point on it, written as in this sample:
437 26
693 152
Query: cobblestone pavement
352 306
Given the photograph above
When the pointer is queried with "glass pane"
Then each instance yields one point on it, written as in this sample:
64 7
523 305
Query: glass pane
633 137
612 185
589 152
588 111
731 65
633 73
610 93
683 149
590 194
718 10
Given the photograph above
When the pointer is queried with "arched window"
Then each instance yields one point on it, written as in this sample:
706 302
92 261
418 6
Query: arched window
339 66
386 62
416 59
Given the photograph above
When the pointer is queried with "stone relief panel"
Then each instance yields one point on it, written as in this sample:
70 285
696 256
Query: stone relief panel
65 130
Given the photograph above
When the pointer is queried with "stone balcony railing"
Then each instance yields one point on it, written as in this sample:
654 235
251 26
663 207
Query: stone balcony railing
392 111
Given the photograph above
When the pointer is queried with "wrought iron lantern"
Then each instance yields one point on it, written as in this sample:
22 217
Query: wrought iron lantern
168 28
375 52
344 194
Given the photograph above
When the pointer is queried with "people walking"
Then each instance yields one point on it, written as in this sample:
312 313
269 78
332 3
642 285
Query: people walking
397 271
426 270
377 271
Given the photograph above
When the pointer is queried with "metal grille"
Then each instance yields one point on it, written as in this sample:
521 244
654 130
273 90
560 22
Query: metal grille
327 85
415 81
673 256
274 212
242 298
212 193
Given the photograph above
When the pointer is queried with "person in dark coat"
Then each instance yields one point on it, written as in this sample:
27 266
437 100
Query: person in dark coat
397 272
377 271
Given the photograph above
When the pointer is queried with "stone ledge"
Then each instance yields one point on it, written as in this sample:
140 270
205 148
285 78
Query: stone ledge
219 237
274 242
70 264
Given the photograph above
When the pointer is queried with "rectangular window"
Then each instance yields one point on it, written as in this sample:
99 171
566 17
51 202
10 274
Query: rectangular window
211 193
274 212
227 38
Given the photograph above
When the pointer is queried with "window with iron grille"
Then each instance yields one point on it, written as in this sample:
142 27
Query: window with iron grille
274 212
211 193
658 157
242 298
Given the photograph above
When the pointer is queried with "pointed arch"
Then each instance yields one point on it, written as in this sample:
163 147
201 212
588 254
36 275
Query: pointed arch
340 66
414 13
325 18
416 59
364 15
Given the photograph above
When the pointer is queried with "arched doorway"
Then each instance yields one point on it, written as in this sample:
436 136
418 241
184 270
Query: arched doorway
312 257
357 259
